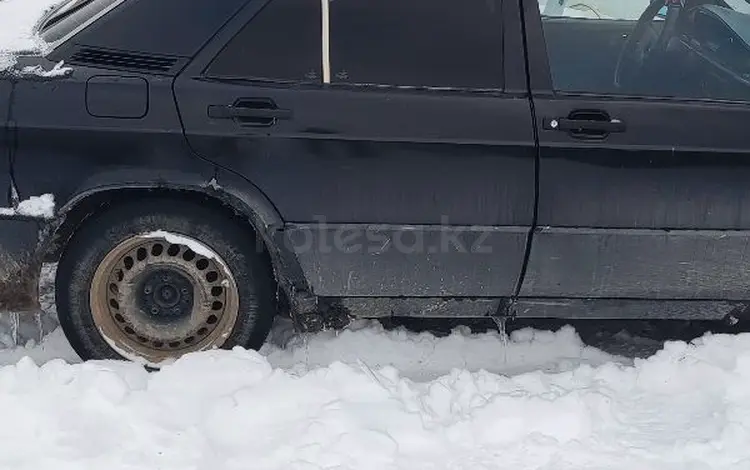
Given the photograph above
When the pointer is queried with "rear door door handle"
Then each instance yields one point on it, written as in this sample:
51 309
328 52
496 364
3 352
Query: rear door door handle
250 112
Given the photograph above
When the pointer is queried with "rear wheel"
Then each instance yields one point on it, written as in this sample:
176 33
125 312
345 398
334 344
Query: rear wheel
153 281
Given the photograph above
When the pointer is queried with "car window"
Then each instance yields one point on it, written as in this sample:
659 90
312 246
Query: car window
609 9
402 43
691 50
281 43
417 43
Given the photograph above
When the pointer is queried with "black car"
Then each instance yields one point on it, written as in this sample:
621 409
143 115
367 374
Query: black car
214 163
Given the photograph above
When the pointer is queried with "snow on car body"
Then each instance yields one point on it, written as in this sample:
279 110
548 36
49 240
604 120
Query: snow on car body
375 158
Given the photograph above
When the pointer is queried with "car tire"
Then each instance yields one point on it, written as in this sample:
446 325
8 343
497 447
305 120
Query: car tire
152 280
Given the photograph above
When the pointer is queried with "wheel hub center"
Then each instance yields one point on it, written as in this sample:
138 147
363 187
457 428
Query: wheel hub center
165 293
167 296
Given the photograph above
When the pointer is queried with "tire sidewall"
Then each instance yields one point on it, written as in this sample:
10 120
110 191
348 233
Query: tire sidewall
235 244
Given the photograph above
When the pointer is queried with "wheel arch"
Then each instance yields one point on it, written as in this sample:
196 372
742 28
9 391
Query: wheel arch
88 202
247 206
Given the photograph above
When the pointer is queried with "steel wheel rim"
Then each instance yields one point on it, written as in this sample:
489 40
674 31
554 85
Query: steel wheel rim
140 276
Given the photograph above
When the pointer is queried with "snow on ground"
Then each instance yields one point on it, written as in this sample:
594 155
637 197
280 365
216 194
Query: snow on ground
370 398
373 400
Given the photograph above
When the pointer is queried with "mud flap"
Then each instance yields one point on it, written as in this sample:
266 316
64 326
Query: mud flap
19 265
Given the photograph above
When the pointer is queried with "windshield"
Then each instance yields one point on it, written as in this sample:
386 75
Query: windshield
70 15
613 9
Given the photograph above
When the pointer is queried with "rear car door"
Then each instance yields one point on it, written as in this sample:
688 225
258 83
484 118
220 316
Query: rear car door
382 132
644 174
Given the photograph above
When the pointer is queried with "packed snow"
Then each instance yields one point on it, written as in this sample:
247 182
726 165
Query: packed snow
374 398
36 206
370 399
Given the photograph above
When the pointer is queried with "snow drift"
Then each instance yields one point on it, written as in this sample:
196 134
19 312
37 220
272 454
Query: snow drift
687 407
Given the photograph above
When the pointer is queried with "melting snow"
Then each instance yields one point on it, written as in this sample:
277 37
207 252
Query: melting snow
35 206
177 239
58 70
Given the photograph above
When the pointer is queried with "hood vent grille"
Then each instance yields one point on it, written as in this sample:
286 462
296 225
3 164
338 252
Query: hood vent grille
123 60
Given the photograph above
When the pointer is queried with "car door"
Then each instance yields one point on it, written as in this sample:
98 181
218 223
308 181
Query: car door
383 134
643 187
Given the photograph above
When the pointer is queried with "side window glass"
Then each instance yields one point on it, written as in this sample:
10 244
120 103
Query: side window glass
691 49
281 43
417 43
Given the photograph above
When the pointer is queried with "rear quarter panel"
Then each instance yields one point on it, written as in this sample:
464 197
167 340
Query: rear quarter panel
64 150
5 89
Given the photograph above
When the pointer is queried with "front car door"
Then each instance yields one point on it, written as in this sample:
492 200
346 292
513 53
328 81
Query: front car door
644 170
382 132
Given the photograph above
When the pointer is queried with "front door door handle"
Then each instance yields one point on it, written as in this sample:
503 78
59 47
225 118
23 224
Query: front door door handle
585 124
250 112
